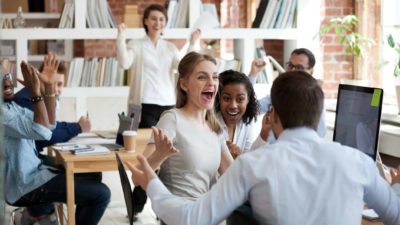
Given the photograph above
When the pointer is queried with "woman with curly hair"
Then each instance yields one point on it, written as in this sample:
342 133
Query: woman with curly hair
237 107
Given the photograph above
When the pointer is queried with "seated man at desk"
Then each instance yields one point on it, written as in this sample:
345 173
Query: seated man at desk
28 181
64 131
300 179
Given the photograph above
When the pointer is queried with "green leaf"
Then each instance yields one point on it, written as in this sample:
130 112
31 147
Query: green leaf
390 41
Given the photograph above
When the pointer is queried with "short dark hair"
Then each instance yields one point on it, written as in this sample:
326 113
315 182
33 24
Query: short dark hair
61 68
297 99
233 77
308 53
153 7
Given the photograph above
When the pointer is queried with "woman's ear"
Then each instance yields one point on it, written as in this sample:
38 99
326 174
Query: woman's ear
182 84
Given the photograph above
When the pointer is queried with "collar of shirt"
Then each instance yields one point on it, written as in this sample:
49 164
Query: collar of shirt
149 41
298 132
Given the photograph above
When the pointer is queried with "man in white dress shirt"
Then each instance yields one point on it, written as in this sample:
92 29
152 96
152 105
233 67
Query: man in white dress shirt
300 179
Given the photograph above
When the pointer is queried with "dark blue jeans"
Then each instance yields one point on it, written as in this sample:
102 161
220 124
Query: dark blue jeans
91 199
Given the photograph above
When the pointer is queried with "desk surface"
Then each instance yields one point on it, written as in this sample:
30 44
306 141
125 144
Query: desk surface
95 163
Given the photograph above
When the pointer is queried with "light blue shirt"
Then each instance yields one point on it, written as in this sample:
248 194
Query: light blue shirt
24 170
300 179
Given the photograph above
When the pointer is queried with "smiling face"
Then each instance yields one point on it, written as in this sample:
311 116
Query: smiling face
201 85
8 88
233 102
155 23
59 84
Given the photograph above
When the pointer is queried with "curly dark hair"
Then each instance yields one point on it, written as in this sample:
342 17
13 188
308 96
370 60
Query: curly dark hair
234 77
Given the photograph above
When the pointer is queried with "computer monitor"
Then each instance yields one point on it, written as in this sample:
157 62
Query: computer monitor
358 116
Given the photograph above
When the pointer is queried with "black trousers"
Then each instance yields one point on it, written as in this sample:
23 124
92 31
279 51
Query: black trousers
150 115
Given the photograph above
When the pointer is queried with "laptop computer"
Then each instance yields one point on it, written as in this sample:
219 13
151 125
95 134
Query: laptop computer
358 116
126 188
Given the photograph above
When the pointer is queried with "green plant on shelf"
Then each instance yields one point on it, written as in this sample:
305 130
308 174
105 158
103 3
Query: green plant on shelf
354 43
396 47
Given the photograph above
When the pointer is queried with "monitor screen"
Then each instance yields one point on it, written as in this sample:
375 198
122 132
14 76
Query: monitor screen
358 116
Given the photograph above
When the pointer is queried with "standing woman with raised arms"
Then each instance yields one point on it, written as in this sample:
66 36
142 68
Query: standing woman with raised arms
154 62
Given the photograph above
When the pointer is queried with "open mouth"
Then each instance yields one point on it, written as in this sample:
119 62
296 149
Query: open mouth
207 95
233 113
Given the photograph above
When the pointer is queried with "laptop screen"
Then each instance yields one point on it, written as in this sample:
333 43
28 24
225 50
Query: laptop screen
358 116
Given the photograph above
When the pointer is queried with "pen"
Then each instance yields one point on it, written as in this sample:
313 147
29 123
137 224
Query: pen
87 114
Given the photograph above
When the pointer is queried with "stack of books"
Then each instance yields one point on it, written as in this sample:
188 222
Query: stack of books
95 72
99 15
275 14
131 16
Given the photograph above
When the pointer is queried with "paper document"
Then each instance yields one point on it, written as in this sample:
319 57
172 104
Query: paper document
370 214
70 147
205 21
93 150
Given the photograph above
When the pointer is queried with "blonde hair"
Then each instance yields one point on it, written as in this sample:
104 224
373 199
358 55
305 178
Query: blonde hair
185 69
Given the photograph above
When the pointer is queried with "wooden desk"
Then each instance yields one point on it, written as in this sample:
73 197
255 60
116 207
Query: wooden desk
95 163
368 222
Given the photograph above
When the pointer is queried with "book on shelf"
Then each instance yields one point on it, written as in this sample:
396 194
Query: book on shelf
94 72
259 14
179 11
223 65
275 14
99 15
67 15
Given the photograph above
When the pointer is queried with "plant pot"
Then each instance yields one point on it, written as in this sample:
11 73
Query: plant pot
398 97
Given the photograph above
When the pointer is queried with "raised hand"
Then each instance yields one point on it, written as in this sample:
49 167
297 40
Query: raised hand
195 36
164 146
50 66
266 126
234 149
143 175
121 27
256 66
31 78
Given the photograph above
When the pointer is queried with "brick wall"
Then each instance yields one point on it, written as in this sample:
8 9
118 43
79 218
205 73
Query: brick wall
335 64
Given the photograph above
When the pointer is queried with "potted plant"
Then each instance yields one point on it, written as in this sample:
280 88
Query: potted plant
354 43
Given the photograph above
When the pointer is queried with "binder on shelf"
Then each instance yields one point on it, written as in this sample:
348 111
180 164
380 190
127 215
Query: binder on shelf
260 13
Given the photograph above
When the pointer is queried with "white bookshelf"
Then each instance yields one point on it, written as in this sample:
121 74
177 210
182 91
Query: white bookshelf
305 35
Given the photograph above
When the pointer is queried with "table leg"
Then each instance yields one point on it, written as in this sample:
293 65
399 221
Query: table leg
70 193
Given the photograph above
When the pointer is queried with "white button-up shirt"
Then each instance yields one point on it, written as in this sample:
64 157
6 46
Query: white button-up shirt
300 179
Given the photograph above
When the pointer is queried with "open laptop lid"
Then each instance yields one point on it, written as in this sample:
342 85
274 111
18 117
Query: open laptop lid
126 188
358 116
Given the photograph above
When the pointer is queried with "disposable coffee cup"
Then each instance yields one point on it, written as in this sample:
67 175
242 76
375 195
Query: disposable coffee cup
129 140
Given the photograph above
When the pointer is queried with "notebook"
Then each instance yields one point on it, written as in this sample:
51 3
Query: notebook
126 188
358 116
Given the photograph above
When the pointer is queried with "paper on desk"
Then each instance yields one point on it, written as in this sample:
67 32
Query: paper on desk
69 147
370 214
96 150
87 141
205 21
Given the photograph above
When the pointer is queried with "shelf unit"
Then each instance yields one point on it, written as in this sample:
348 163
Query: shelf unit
304 35
35 21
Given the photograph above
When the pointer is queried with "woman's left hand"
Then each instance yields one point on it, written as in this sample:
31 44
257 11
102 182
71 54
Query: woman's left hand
195 36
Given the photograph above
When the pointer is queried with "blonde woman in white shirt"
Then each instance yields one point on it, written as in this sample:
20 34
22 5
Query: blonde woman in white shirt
154 62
